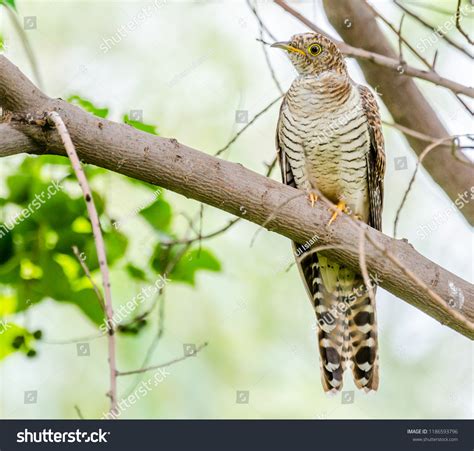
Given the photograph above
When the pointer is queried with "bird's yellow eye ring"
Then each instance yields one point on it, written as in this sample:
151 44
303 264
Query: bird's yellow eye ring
315 49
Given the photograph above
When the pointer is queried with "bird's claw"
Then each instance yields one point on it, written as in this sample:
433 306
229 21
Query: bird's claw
341 206
313 198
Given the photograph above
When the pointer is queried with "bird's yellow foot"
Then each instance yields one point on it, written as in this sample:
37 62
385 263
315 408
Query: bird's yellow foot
341 206
313 198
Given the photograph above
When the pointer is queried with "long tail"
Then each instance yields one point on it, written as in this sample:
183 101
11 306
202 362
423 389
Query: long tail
347 329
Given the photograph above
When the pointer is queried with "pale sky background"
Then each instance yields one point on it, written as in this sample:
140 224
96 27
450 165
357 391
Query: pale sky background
189 67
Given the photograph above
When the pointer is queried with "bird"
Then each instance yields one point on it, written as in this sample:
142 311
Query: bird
329 142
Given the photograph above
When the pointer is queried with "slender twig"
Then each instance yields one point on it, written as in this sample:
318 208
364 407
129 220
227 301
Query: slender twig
458 23
423 137
410 132
26 43
272 216
162 365
263 28
161 299
201 212
56 119
464 104
435 59
220 231
382 60
78 411
433 8
260 22
236 136
74 340
315 250
433 29
402 40
410 184
203 237
89 276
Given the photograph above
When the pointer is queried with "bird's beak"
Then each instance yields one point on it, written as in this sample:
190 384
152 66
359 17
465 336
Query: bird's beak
286 46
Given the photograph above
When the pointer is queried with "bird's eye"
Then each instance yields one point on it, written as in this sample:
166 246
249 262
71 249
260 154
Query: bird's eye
315 49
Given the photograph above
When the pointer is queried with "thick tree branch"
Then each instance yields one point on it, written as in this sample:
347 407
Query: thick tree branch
237 190
404 100
12 141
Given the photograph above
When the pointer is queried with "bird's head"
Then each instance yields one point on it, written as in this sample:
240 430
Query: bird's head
313 54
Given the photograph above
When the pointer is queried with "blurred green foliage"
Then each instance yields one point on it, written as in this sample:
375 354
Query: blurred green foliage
42 219
88 106
9 2
140 125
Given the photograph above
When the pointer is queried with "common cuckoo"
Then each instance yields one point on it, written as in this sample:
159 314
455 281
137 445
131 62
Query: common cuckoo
329 140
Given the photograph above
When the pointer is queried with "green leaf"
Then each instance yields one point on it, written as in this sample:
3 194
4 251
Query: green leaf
193 261
9 2
7 305
115 246
88 106
158 214
53 281
19 188
3 43
87 301
148 128
14 338
6 244
136 273
162 255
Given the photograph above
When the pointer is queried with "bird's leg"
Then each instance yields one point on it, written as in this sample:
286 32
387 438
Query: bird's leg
341 206
313 197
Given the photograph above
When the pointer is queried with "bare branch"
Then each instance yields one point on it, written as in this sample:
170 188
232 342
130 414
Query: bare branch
89 276
433 29
263 28
162 365
412 180
66 140
458 23
236 136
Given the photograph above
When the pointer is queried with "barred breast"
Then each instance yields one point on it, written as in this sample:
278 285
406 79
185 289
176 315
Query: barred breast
325 135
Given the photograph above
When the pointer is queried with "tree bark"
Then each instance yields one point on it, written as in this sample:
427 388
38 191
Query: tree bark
232 188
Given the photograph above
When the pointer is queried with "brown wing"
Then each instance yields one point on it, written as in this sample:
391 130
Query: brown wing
286 173
376 157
